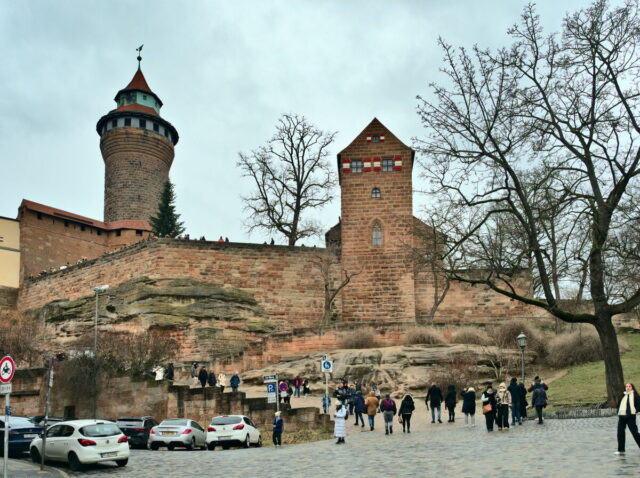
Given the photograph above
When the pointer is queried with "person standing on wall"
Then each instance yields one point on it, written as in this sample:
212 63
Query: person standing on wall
297 384
371 404
202 376
434 399
278 427
450 401
503 399
194 372
340 426
627 408
406 411
234 382
222 381
211 380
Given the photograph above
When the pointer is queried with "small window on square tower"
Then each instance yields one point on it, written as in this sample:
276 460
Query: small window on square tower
376 234
375 138
39 215
387 165
375 193
138 232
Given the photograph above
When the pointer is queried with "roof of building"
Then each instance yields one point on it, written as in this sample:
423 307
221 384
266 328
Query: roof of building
137 107
138 224
375 126
138 83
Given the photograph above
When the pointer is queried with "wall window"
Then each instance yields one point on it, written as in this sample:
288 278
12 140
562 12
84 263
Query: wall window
376 235
142 123
118 233
114 123
138 232
127 121
156 127
144 97
66 223
375 138
387 165
166 132
356 165
39 215
375 193
99 232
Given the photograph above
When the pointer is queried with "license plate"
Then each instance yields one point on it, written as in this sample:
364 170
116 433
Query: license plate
107 455
30 435
224 437
169 433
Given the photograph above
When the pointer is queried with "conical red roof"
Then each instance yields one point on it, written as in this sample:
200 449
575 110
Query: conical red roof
138 82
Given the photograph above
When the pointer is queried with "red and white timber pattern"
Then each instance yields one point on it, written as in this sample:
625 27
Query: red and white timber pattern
377 161
366 165
397 163
346 165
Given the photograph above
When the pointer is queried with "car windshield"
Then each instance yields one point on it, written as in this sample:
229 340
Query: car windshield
130 422
17 422
226 420
174 423
100 430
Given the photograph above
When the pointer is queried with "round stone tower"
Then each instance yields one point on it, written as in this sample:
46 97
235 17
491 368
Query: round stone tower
137 148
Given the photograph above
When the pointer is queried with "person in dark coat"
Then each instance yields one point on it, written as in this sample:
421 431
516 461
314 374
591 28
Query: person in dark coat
539 400
169 372
469 406
234 382
450 401
537 381
211 379
628 406
406 410
515 401
202 376
489 401
389 410
434 399
278 427
523 402
358 408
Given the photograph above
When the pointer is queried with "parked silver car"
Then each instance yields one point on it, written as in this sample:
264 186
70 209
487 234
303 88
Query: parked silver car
180 432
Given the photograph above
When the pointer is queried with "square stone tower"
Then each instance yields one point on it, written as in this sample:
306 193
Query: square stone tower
376 230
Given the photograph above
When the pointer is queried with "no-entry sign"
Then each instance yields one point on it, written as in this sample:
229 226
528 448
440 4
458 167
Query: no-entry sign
7 369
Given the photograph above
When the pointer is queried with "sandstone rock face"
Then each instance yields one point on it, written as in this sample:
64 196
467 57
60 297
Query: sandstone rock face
216 320
395 369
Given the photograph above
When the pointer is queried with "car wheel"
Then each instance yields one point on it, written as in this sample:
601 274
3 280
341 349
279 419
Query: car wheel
170 446
74 462
211 446
122 463
225 447
191 445
35 455
154 446
247 442
259 444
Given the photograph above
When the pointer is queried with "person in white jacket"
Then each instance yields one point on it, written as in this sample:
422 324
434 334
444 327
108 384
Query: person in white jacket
340 427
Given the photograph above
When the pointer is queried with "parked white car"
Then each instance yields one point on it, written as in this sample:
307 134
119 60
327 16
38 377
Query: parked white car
230 430
175 432
81 442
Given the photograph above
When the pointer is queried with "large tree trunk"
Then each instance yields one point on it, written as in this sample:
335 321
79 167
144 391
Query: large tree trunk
612 365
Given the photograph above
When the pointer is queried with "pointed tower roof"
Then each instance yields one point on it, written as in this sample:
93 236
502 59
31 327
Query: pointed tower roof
374 127
138 83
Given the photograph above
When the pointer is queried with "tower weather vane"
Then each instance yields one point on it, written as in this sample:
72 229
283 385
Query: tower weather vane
139 50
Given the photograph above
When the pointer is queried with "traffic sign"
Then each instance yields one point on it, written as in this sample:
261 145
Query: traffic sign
5 388
327 366
7 369
7 411
269 378
271 387
283 387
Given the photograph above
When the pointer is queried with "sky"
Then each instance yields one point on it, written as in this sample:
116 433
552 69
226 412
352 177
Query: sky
225 72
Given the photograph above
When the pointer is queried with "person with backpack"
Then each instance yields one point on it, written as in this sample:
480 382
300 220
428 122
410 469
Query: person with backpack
371 404
539 400
628 406
278 428
434 398
358 408
389 410
407 406
450 401
469 406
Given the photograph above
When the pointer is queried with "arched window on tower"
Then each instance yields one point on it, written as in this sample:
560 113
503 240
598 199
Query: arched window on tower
375 193
376 234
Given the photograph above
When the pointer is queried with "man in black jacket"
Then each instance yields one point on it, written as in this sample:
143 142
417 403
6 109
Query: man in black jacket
514 390
434 398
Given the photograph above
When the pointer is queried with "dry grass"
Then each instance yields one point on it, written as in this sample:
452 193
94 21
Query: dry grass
304 435
470 335
504 336
364 338
424 335
579 346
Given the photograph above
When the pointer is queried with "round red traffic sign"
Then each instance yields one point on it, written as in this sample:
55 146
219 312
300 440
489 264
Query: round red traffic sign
283 387
7 369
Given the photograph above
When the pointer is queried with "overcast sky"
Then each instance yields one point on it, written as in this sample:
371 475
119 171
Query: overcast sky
225 72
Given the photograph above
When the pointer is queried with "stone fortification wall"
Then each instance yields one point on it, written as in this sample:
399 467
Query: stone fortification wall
8 297
283 280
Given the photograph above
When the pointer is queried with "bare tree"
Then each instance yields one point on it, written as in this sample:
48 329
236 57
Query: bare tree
538 148
292 176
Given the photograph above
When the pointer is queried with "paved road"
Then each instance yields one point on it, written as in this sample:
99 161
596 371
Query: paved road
559 448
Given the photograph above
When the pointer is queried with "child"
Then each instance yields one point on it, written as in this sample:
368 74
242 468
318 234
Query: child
278 426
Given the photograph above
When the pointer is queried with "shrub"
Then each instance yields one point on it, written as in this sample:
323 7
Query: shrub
504 336
424 335
21 337
460 374
470 335
582 345
364 338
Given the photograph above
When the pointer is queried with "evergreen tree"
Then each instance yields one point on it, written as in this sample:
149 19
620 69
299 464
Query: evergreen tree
166 222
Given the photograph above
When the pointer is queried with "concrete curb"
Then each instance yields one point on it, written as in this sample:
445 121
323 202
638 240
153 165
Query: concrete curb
27 469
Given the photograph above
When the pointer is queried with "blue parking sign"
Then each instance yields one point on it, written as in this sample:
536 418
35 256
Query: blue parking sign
271 387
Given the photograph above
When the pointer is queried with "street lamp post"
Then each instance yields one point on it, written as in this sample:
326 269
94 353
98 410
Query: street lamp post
522 343
97 290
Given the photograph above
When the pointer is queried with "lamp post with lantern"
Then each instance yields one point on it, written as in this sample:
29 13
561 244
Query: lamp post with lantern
522 343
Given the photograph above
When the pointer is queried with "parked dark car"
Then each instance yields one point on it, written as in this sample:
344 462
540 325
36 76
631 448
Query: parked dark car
39 420
21 432
136 429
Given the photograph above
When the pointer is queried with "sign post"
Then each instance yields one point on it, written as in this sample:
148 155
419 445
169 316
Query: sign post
46 412
327 367
7 371
272 390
